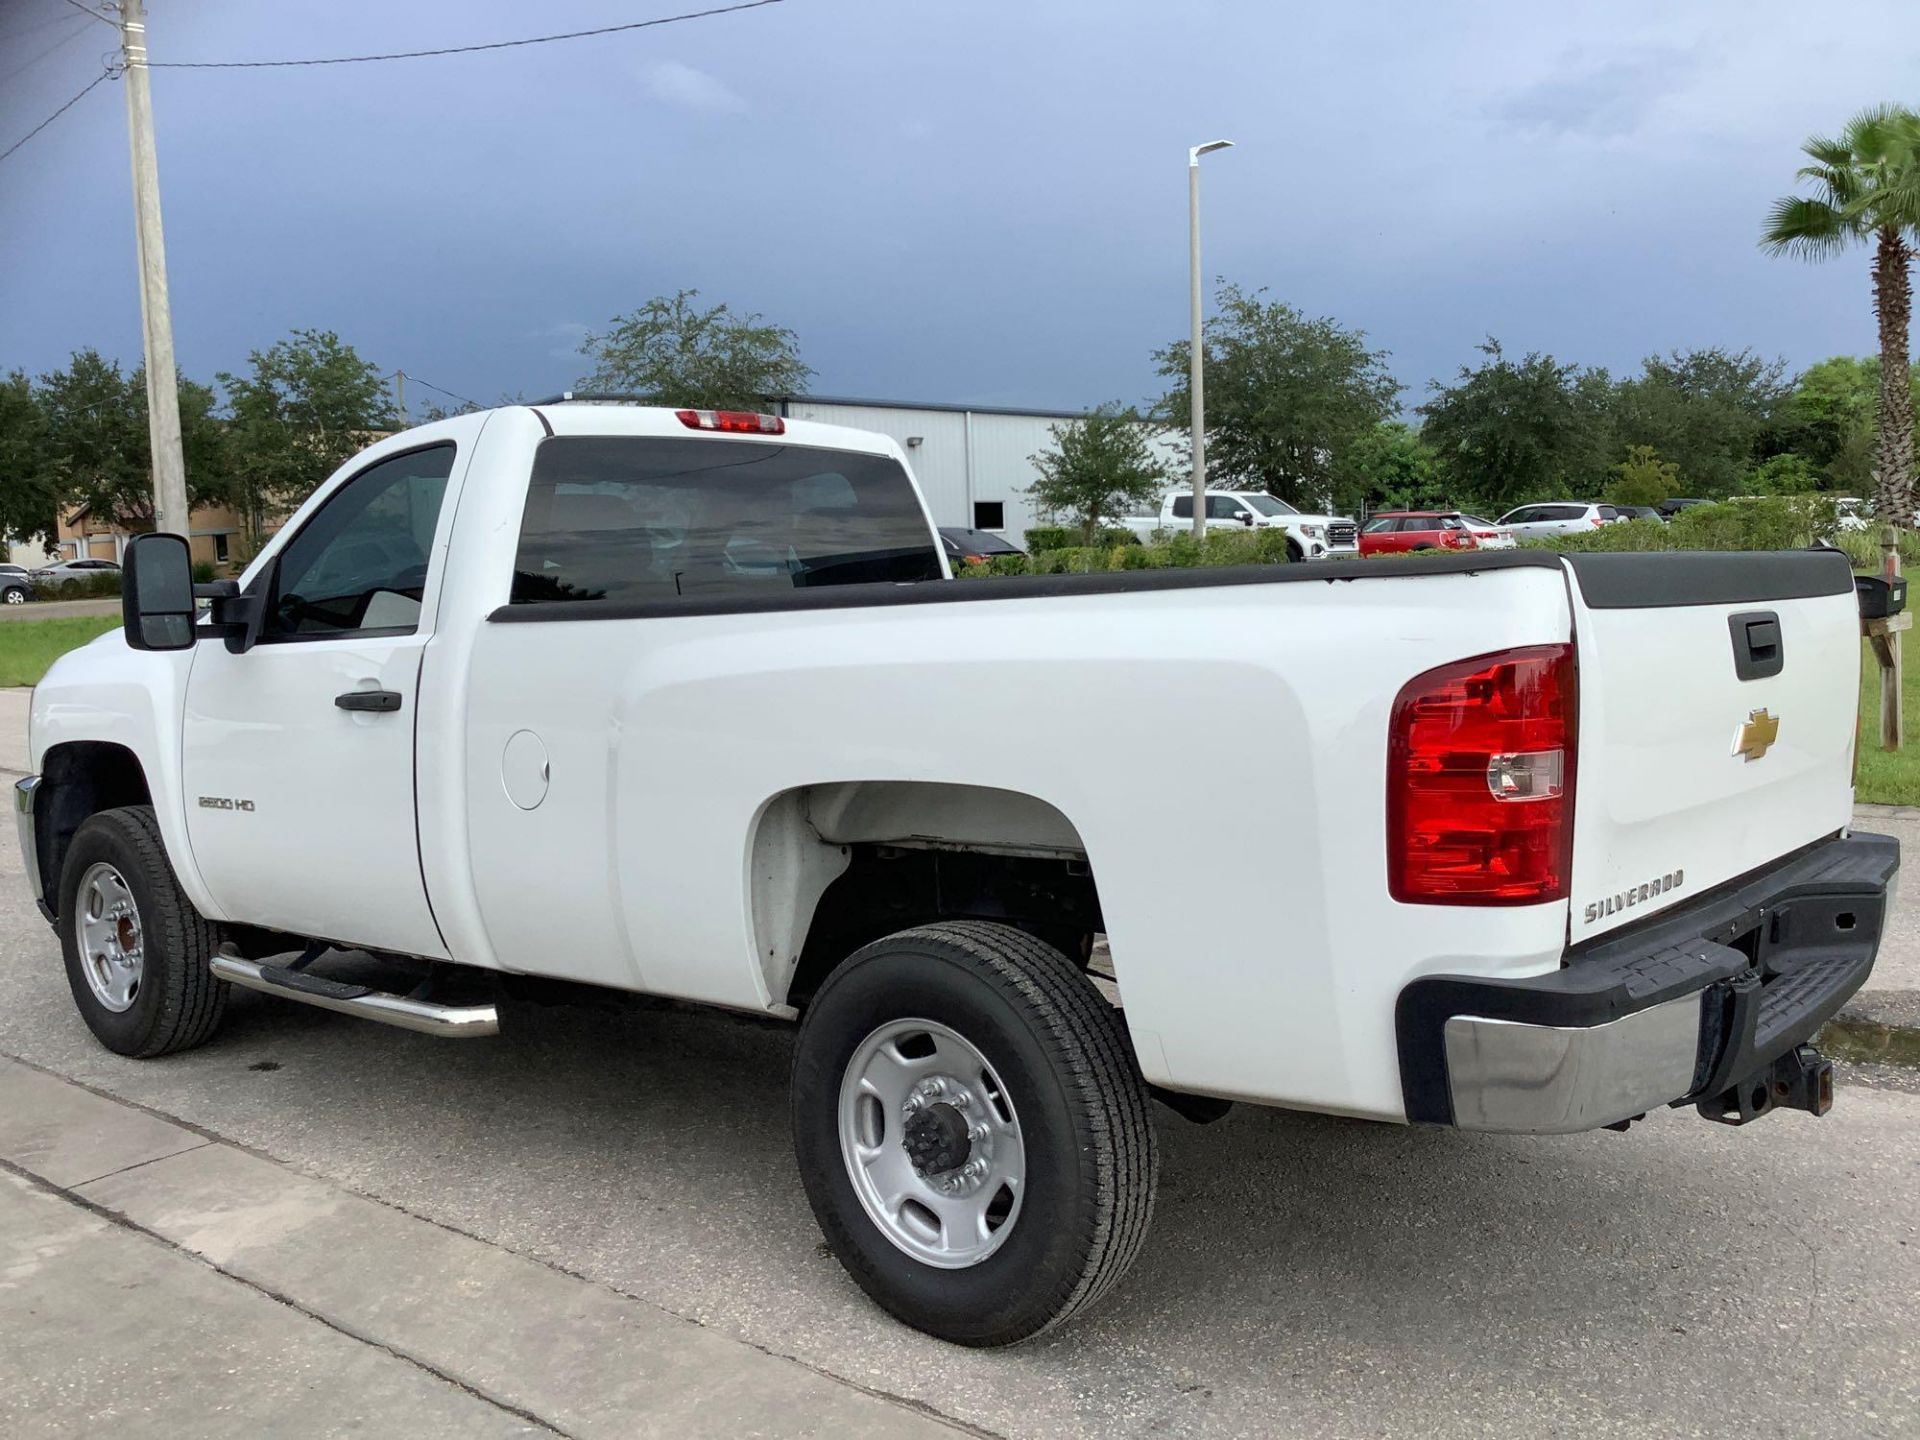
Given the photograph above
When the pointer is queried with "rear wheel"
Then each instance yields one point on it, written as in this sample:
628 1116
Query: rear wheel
972 1131
15 595
136 949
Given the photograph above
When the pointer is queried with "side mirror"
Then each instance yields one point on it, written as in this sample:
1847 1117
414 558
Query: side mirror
1246 518
156 593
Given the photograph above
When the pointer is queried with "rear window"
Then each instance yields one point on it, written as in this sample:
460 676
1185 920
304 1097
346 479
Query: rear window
625 518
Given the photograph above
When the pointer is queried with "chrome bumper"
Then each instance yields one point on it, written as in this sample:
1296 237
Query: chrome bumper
1510 1076
23 793
1711 1003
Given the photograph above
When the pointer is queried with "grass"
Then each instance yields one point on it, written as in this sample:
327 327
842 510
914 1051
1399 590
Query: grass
28 647
1889 777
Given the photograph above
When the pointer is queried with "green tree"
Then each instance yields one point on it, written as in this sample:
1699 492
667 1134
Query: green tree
305 406
1510 431
1829 418
27 470
1643 478
1783 474
1708 411
1866 187
99 455
1098 465
1287 396
1391 467
674 352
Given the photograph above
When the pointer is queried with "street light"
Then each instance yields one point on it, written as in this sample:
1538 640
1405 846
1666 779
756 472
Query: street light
1199 417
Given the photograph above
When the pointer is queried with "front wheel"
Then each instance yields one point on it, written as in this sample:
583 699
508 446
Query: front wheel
15 595
136 949
972 1131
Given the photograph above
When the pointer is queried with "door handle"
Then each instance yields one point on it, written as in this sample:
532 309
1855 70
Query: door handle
379 700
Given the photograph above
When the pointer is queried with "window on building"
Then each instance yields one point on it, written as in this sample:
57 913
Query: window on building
630 519
220 549
989 515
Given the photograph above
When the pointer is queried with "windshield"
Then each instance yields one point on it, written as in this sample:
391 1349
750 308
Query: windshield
1267 505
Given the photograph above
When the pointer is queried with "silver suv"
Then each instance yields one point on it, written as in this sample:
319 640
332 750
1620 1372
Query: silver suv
1558 517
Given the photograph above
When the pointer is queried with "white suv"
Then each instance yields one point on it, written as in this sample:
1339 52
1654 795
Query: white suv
1570 517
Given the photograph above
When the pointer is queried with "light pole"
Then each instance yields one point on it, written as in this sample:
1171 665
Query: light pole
1199 413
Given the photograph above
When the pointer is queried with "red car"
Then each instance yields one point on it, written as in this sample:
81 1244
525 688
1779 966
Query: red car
1394 532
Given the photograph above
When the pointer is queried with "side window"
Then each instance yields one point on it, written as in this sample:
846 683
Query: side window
1566 512
1523 516
1220 507
1447 522
1183 507
360 564
633 518
1377 527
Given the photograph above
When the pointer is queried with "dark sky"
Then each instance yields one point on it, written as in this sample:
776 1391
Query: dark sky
967 202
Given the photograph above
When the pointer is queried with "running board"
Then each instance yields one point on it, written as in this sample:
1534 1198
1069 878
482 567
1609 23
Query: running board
451 1022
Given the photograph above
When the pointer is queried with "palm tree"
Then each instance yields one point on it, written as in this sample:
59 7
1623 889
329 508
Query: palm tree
1867 188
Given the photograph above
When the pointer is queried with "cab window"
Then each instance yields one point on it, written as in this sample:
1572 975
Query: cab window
359 565
632 518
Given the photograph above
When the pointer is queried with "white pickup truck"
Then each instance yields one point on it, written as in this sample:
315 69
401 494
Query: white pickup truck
1309 537
684 704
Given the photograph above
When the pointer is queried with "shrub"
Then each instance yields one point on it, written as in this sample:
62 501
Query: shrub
203 572
1067 537
80 587
1785 522
1180 551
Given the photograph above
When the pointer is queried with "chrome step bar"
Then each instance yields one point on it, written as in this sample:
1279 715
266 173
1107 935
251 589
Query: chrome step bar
450 1022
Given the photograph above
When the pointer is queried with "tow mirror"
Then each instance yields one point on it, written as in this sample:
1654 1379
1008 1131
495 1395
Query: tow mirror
156 593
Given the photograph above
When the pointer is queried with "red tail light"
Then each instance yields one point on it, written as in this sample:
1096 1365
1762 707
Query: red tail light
736 422
1480 771
1595 521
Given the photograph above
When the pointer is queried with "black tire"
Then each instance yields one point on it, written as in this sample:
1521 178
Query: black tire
1295 555
1062 1053
178 1004
16 595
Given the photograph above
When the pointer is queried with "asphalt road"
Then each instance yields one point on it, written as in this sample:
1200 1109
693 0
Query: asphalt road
1304 1275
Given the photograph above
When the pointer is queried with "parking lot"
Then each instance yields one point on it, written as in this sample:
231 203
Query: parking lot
1305 1275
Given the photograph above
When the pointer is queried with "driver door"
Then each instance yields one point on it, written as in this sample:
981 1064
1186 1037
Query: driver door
298 755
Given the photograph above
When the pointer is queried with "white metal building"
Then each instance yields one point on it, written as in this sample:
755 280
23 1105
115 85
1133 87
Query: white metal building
972 461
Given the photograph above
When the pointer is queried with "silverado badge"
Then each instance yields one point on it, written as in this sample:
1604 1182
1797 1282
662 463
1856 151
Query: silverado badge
1756 736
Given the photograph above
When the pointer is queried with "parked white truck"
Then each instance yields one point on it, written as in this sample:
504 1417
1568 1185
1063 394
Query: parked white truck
685 704
1309 537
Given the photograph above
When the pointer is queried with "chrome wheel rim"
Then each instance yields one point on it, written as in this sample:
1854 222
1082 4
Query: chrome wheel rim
112 942
932 1143
16 597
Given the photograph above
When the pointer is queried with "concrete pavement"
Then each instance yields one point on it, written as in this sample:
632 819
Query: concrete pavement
168 1283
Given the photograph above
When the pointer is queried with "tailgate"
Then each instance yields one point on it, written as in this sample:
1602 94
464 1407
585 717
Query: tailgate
1718 703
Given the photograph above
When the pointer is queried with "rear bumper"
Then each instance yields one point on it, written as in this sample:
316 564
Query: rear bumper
1694 1004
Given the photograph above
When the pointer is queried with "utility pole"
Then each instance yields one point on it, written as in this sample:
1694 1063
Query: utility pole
163 398
400 395
1196 347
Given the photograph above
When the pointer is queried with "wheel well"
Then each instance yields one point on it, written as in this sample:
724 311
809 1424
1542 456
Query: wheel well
837 865
887 888
78 779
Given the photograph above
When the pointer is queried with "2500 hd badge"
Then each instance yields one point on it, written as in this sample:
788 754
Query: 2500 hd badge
1634 895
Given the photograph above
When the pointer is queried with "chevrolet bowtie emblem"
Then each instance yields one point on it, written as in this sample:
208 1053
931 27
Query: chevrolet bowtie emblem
1756 736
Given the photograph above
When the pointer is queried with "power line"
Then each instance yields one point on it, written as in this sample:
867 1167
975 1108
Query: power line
103 75
449 50
408 374
89 10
